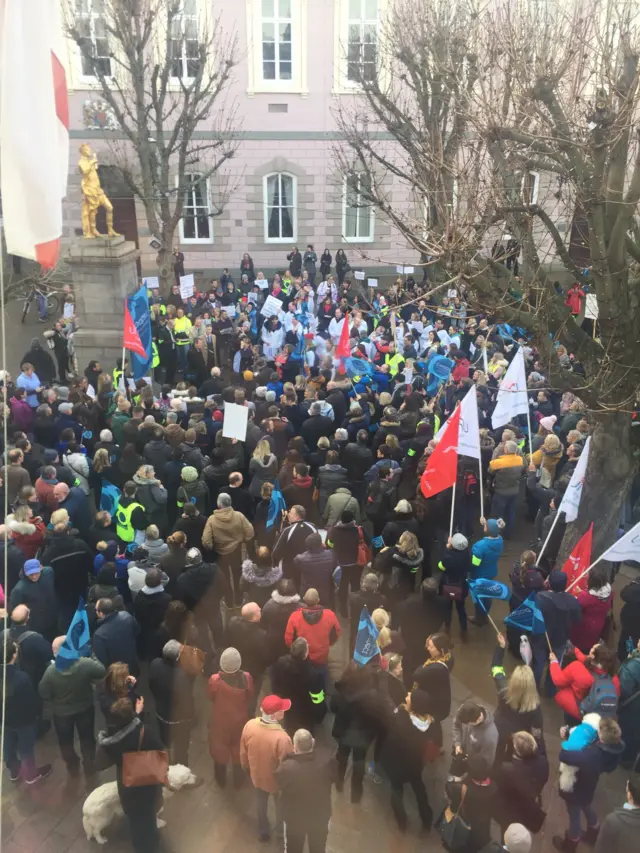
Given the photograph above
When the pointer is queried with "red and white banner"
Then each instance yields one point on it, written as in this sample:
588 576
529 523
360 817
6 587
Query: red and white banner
34 128
442 465
578 561
131 339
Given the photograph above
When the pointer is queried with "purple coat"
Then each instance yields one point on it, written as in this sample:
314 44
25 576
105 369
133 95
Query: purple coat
21 414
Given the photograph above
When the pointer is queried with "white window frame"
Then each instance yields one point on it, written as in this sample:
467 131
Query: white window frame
276 21
197 240
360 212
535 190
362 21
294 208
341 83
182 16
299 33
92 16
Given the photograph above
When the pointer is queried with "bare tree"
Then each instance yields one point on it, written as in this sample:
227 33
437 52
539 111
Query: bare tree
163 71
551 88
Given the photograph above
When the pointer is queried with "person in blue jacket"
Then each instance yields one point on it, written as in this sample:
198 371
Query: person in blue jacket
484 561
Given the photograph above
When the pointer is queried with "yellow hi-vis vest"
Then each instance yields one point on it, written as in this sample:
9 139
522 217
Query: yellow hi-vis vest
124 527
394 361
155 361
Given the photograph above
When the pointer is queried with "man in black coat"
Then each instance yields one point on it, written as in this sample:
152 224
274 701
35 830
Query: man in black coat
316 426
149 608
241 500
294 677
172 690
417 617
35 651
304 779
292 540
295 262
72 561
245 634
115 638
202 586
357 458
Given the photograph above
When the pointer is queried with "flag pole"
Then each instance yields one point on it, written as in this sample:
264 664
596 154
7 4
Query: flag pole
453 506
586 572
529 428
481 489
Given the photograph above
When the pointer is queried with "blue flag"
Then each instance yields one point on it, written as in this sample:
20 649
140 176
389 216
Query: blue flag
366 639
276 505
527 617
138 304
358 367
439 370
109 497
485 588
78 640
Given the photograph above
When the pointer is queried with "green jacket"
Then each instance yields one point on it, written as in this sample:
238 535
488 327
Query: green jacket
118 421
71 691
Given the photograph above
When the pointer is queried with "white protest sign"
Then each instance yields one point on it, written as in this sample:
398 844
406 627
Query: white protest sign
234 424
231 311
271 306
91 392
399 270
262 283
359 275
445 340
591 307
130 383
452 293
153 282
408 270
372 282
187 286
417 325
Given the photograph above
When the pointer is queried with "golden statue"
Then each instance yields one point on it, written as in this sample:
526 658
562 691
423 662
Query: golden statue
93 196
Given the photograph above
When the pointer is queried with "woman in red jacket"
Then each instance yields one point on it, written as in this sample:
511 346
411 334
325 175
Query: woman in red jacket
26 531
575 680
596 603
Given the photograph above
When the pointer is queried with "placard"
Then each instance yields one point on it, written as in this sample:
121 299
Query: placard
234 424
452 293
359 275
262 283
271 306
187 286
591 310
400 270
231 311
372 282
152 282
417 325
408 270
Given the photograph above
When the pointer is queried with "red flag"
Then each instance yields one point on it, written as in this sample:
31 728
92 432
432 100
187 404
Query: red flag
343 350
131 339
442 465
578 561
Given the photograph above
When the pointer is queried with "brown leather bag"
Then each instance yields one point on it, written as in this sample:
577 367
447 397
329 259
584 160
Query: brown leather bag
144 767
192 660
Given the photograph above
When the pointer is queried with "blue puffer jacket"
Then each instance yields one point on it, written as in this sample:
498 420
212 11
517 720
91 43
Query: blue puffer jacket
484 557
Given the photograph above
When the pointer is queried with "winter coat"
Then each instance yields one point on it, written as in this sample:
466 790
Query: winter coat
435 677
480 740
591 763
574 683
172 690
21 414
153 497
629 706
315 569
357 459
27 535
507 471
344 540
149 609
21 704
78 464
274 619
115 640
230 697
195 493
316 427
299 681
258 582
39 596
560 611
455 567
629 619
145 799
262 471
263 745
520 783
548 462
619 831
595 604
361 714
406 569
226 530
484 557
157 453
14 477
508 720
320 628
305 782
403 747
193 528
290 543
339 501
203 583
300 493
250 639
70 691
15 562
77 505
71 560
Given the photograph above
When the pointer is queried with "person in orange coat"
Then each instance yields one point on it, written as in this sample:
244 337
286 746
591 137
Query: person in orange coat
231 692
575 680
318 625
263 745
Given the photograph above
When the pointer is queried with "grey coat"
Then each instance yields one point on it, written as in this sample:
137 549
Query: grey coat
339 502
330 479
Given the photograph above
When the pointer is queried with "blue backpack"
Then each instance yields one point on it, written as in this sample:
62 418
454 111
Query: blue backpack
602 698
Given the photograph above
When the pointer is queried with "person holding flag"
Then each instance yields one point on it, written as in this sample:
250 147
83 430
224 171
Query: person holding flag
484 561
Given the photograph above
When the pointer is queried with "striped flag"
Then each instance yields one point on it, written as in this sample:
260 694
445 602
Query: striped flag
34 128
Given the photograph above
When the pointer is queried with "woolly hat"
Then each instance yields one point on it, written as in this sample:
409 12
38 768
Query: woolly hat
558 581
517 838
230 661
459 542
218 416
50 455
247 376
189 474
494 526
62 392
547 423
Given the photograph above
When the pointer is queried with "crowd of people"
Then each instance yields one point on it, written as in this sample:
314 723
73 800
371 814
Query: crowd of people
244 562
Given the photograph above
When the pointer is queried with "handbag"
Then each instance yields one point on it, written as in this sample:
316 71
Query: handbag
364 552
192 660
144 767
316 495
453 592
455 832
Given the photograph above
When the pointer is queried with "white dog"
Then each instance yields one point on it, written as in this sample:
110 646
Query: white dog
103 804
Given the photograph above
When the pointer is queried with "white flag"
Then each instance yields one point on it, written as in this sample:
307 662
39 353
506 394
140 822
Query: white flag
627 548
469 431
571 500
512 394
34 128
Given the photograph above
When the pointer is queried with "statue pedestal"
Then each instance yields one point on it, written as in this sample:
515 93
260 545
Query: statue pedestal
103 272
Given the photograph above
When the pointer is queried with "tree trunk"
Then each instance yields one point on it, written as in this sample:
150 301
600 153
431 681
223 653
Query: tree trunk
164 261
609 474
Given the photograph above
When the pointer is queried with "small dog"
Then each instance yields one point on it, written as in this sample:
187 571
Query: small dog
103 804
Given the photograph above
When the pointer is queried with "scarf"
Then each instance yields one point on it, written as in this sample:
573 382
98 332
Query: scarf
444 659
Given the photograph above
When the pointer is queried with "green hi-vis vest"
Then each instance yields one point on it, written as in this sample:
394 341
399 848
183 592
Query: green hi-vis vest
116 376
155 361
317 698
124 528
394 361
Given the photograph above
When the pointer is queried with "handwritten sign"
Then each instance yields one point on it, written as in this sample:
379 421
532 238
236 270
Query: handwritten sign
187 286
359 275
153 282
271 306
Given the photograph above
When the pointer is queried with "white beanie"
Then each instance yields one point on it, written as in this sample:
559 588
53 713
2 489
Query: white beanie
517 839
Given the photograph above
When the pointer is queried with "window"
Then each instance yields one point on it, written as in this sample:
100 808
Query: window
91 23
276 40
280 208
196 225
358 213
362 40
183 46
530 181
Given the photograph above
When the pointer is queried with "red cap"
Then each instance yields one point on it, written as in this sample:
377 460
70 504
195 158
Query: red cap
272 704
218 416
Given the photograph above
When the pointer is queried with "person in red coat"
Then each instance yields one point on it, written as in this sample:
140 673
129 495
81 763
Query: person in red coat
575 295
575 680
27 532
231 694
318 625
596 603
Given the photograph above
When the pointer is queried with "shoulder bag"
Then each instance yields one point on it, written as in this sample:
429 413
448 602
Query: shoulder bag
145 766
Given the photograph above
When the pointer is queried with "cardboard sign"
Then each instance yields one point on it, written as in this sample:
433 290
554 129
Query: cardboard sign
271 307
234 424
187 286
152 283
